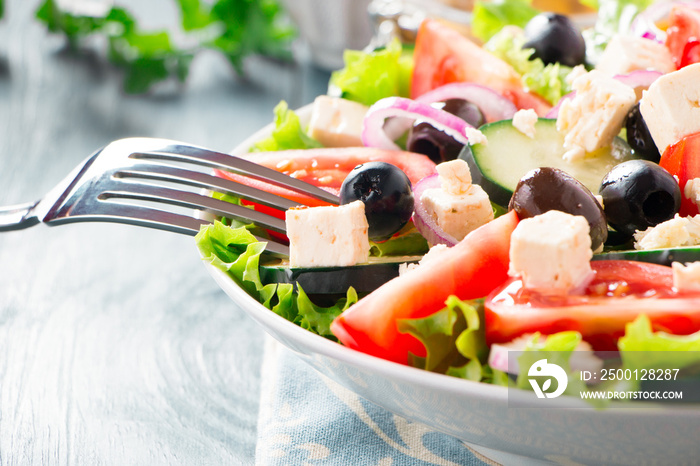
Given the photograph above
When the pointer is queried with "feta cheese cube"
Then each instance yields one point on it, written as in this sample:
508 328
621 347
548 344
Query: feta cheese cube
692 190
454 176
524 121
474 136
595 115
625 54
671 106
578 70
337 122
458 215
458 206
686 278
431 257
677 232
327 236
551 253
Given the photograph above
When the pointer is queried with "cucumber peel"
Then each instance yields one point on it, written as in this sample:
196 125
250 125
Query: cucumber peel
364 278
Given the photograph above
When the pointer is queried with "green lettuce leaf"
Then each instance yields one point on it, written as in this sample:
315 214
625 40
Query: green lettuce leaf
370 76
547 81
318 319
614 17
642 348
454 340
287 134
489 17
407 242
235 28
237 252
557 348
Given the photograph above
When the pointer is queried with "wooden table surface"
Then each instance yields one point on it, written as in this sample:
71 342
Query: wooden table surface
116 347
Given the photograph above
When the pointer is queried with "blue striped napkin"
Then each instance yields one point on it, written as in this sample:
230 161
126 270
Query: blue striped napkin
307 419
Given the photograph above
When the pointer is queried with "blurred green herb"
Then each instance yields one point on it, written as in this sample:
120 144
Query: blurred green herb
235 28
2 8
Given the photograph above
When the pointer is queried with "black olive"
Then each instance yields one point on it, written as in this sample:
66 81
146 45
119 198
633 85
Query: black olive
463 109
424 138
544 189
638 194
439 146
555 39
386 192
639 138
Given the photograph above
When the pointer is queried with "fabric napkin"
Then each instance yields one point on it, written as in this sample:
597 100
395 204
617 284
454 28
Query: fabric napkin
308 419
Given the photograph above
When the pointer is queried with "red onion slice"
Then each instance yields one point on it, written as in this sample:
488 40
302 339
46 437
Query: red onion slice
425 224
639 80
493 105
645 23
374 134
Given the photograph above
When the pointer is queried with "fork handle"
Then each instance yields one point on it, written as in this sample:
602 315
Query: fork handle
18 217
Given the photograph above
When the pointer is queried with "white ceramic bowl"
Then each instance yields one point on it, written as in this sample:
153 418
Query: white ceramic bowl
478 414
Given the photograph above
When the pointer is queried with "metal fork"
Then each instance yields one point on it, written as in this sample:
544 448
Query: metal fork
124 180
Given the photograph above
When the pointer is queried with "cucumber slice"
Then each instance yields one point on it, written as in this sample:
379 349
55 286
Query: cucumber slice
499 164
656 256
364 278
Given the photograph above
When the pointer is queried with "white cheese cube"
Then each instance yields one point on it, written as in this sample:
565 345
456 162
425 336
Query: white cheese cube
686 278
474 136
692 190
431 257
671 106
458 215
551 253
327 236
578 70
455 177
677 232
337 122
625 54
524 121
595 115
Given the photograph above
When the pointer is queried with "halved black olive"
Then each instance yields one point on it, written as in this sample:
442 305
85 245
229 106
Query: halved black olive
639 194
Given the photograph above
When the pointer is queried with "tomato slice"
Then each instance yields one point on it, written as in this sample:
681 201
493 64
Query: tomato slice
682 35
682 160
471 269
691 53
620 291
327 168
442 55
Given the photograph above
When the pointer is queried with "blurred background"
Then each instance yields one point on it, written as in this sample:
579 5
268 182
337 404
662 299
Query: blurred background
116 347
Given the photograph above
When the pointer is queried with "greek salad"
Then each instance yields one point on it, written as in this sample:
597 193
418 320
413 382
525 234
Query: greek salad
533 185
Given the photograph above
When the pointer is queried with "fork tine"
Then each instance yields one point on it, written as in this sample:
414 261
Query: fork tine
152 218
190 200
208 158
203 180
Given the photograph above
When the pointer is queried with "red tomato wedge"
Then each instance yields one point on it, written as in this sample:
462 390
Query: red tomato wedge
682 160
442 55
471 269
328 167
682 35
620 291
